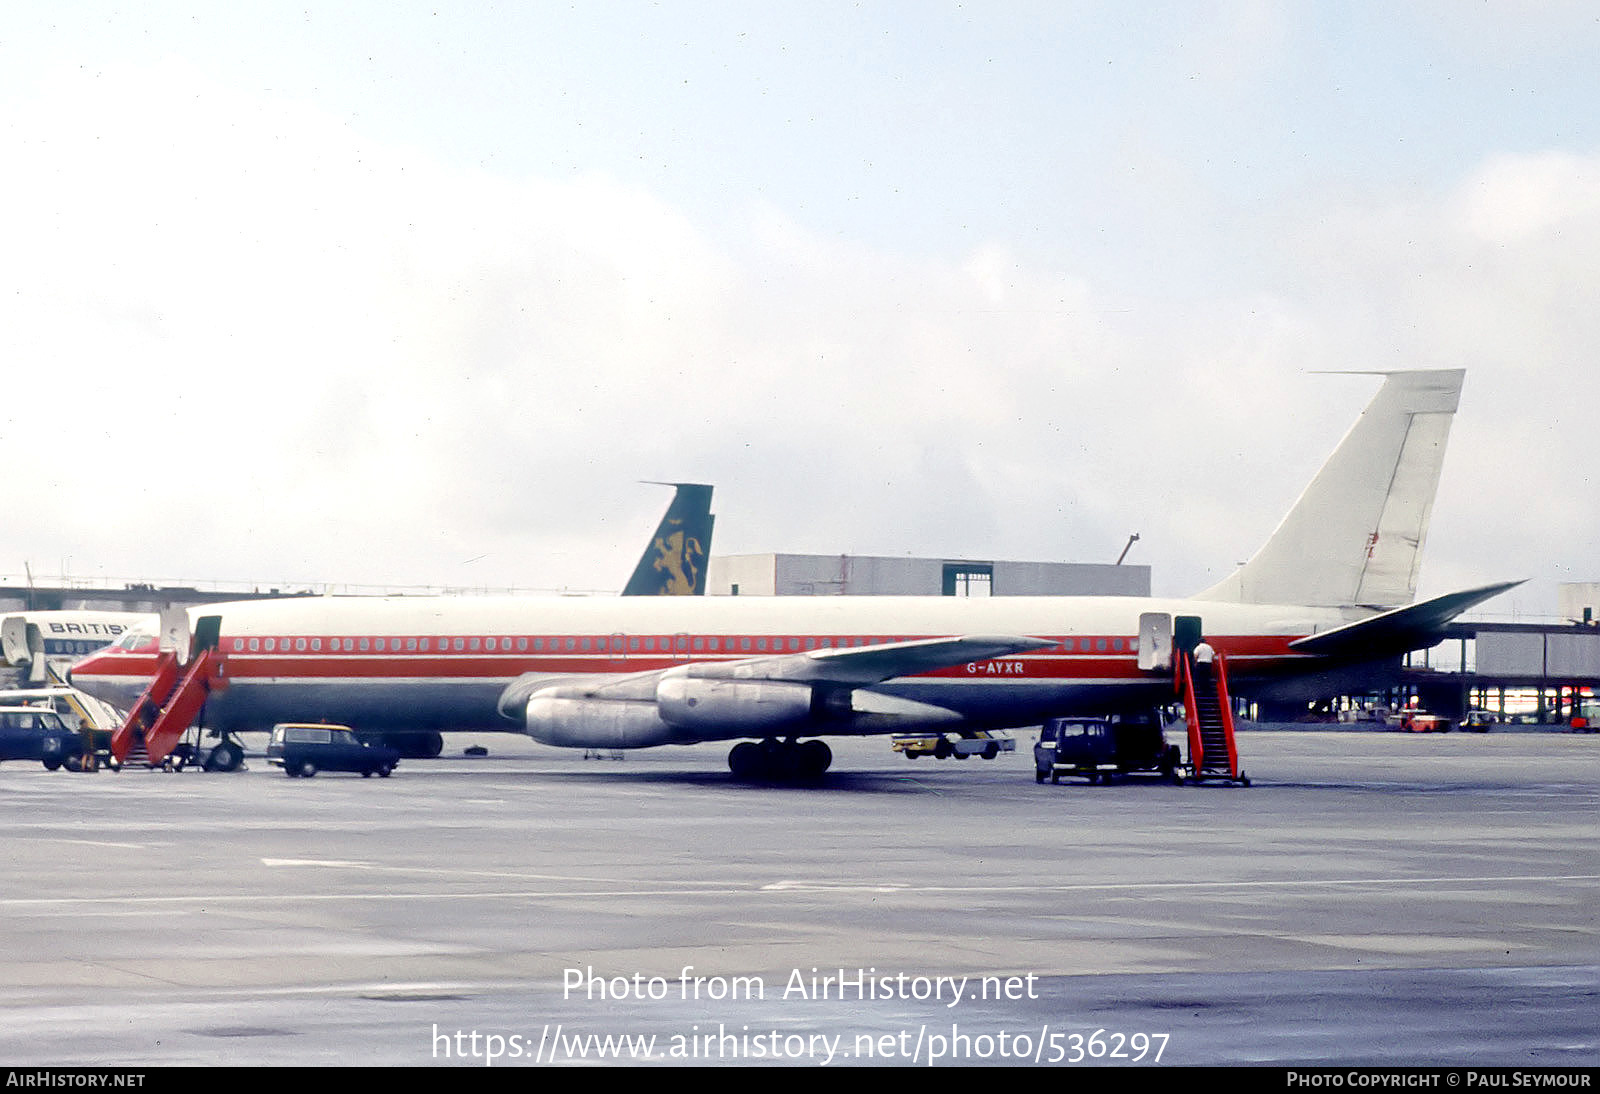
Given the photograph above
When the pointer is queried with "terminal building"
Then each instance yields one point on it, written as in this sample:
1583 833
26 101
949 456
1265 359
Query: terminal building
136 597
1579 602
1549 671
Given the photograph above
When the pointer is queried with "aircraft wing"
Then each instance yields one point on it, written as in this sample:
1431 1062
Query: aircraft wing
859 666
23 695
848 667
755 696
1412 627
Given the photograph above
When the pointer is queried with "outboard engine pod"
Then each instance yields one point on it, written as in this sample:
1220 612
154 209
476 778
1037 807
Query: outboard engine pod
749 707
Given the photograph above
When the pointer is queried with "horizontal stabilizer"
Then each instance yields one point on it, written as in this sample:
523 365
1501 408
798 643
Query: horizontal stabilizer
1413 627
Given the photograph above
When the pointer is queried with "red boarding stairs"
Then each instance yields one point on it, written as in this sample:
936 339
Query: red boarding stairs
168 706
1209 710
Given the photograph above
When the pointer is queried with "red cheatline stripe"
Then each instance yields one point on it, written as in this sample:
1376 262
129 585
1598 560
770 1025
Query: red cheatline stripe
435 664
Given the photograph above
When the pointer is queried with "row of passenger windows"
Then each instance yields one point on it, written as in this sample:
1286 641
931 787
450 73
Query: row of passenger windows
60 647
616 643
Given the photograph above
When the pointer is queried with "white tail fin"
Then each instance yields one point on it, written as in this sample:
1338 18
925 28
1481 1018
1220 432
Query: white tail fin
1355 536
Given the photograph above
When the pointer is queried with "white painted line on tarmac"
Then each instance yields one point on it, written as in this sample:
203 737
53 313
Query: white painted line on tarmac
536 895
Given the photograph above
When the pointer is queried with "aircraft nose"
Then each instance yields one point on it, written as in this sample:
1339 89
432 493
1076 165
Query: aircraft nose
83 667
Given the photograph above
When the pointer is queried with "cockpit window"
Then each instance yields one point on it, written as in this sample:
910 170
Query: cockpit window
134 639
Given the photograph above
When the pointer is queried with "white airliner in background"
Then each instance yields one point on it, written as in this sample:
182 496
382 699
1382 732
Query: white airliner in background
1330 591
38 647
31 640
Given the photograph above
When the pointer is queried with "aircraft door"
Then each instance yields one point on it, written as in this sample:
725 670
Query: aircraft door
38 665
14 640
1187 632
1155 642
175 632
208 632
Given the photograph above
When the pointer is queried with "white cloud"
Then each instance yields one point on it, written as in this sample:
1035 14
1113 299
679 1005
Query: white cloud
296 353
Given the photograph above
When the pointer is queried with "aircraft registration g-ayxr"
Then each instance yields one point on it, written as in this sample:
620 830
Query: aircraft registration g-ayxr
1331 590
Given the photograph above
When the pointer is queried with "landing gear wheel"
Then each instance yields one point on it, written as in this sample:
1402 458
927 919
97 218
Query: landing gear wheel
744 760
413 746
227 756
811 760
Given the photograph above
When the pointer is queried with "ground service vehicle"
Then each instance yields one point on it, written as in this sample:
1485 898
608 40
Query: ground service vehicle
1420 721
1101 748
33 733
960 745
304 750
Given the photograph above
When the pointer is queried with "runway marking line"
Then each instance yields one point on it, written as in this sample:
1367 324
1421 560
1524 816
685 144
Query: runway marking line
791 887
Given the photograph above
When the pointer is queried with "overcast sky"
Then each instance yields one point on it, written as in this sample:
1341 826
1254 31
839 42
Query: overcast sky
414 294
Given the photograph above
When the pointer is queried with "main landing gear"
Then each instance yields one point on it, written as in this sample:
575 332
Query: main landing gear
777 760
421 745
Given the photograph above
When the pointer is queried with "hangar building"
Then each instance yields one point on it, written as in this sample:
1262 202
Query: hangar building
868 575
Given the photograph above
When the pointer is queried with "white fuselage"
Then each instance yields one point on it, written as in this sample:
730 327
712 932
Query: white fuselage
442 663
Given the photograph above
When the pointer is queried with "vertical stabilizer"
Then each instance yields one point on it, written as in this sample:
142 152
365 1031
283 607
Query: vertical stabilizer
674 564
1355 536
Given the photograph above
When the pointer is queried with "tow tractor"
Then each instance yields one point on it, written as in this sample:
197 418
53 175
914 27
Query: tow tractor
960 745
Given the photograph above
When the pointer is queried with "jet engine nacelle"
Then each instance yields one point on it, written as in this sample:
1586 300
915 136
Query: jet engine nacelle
598 723
745 708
